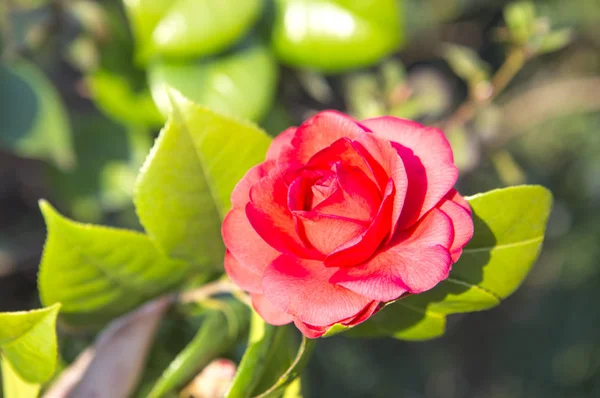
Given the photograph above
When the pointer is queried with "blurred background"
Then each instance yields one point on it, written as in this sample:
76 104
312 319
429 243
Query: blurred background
515 86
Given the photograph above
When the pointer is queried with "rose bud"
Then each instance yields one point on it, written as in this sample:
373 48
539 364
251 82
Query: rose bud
343 216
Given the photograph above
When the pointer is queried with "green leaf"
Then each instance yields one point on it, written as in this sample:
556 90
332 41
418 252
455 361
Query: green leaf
283 368
241 84
466 63
251 368
28 343
509 230
34 121
294 390
110 157
115 96
219 331
98 273
144 15
190 28
183 189
333 35
14 386
520 18
555 40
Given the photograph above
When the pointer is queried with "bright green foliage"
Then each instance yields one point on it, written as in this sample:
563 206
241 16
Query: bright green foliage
98 273
219 332
241 84
187 28
28 343
109 158
115 96
272 362
14 386
284 366
333 35
520 17
252 367
509 230
34 121
183 190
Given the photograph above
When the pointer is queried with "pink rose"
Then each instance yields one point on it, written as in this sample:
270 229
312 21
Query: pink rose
343 216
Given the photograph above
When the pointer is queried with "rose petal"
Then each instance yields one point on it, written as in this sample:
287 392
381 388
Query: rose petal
359 249
245 244
319 132
313 332
281 143
360 199
270 217
326 232
417 261
241 193
245 277
428 161
463 226
380 152
454 196
343 151
268 312
301 287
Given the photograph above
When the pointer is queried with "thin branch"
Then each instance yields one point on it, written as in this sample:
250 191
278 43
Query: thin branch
204 292
503 76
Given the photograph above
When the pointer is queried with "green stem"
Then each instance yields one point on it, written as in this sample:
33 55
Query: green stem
219 332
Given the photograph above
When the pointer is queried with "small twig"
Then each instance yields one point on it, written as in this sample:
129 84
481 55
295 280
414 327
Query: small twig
503 76
204 292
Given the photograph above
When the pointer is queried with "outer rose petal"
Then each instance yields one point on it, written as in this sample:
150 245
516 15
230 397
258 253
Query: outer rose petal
428 160
415 262
244 277
245 244
317 133
270 217
301 287
281 143
454 196
463 226
268 312
241 193
312 331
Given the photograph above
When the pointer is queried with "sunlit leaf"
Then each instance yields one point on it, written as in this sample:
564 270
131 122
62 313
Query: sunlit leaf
98 273
509 230
188 28
14 386
333 35
183 190
240 84
28 343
